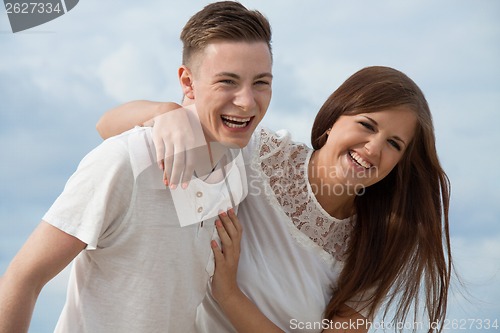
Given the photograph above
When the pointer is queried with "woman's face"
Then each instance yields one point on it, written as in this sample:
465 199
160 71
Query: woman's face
362 149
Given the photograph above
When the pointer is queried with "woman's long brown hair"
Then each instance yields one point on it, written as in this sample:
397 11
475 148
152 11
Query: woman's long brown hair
400 249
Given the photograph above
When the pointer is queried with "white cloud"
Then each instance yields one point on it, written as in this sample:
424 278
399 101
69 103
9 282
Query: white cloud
478 266
130 73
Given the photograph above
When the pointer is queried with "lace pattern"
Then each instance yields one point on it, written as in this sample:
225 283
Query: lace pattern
284 164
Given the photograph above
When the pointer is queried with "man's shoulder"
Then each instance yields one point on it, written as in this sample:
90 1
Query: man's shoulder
128 148
136 133
132 141
139 147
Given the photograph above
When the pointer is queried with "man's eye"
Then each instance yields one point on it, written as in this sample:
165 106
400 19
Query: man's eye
229 82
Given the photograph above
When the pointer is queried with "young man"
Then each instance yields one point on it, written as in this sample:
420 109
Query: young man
136 269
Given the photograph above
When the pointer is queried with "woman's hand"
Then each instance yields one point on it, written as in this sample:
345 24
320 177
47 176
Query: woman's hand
241 312
224 285
177 133
180 146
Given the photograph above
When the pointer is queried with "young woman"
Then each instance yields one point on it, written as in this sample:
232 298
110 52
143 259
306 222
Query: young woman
356 223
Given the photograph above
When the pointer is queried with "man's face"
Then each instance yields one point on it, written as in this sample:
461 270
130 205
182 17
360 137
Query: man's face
230 85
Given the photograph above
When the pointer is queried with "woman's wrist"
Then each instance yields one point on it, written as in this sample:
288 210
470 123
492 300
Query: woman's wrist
232 298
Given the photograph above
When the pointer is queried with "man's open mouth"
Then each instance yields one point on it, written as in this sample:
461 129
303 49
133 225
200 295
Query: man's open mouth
235 122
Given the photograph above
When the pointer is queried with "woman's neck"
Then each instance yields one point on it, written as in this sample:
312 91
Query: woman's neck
331 195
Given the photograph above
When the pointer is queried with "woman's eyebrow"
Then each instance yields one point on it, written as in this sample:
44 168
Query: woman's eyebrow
371 120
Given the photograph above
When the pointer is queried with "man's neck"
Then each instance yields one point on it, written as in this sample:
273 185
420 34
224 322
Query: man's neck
216 151
211 159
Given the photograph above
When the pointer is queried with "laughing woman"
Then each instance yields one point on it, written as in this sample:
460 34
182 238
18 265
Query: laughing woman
354 226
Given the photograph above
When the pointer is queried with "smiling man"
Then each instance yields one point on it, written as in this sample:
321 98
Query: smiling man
136 269
230 88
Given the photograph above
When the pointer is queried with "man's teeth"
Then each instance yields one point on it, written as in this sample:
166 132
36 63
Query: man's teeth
234 125
234 122
355 156
240 120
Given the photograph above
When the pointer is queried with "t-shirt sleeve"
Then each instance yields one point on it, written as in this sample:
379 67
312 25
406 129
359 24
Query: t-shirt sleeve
97 196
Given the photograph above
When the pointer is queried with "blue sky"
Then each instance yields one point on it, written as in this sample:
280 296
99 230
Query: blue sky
57 79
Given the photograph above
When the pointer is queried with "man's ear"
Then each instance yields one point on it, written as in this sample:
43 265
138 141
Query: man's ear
186 81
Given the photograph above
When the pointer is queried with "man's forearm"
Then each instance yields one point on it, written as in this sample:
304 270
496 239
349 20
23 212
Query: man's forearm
16 305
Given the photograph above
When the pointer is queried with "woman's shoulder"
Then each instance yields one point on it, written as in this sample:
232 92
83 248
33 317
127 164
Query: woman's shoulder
277 143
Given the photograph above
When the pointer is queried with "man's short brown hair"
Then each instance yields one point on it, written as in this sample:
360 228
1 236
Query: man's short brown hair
223 21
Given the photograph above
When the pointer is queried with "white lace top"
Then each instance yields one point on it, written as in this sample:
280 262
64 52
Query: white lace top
292 251
285 164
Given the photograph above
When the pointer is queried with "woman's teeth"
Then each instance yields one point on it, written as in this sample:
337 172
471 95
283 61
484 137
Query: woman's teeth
359 160
234 122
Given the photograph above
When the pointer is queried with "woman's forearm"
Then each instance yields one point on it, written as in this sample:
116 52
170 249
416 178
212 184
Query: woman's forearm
245 316
131 114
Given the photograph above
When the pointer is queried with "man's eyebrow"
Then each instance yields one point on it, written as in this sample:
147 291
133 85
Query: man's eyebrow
262 75
394 137
233 75
236 76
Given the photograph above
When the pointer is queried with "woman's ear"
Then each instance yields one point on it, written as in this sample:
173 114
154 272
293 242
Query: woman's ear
186 81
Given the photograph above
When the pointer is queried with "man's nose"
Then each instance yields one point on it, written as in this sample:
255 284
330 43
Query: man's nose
245 98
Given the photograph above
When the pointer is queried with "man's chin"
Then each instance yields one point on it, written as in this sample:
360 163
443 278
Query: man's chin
235 144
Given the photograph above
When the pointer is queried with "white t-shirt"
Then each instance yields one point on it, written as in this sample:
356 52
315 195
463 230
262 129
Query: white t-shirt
141 272
292 250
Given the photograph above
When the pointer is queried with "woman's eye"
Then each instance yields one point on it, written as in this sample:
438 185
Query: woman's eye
367 125
395 144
